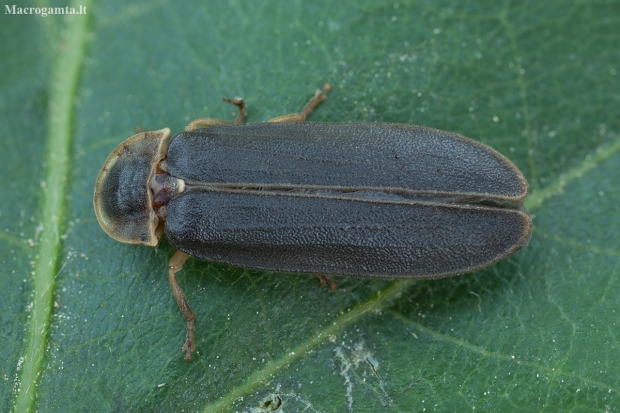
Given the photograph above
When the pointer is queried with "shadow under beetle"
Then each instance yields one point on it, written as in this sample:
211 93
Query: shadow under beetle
360 199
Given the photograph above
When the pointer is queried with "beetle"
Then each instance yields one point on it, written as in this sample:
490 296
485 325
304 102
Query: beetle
357 199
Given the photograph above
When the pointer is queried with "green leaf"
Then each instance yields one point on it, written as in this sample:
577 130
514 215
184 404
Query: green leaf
89 324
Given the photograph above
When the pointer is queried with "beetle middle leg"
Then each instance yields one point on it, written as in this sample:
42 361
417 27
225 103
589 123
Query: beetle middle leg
319 96
175 265
216 123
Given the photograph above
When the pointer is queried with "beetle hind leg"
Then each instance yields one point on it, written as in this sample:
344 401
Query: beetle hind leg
175 265
326 281
319 96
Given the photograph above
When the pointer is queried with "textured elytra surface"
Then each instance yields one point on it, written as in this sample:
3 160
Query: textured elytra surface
536 332
345 155
367 236
335 235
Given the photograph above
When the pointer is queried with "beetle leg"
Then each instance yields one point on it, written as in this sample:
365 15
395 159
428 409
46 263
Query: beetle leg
206 123
175 265
319 96
240 103
326 280
216 123
159 231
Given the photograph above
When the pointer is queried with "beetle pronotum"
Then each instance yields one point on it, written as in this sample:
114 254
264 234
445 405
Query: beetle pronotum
359 199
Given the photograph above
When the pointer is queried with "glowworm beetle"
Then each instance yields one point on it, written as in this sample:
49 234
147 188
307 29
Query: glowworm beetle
359 199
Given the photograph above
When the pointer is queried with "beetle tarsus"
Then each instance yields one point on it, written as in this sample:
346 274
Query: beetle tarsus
326 280
319 96
240 103
189 347
175 265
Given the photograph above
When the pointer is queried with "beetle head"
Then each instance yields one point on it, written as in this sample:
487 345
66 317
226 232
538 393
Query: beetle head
123 200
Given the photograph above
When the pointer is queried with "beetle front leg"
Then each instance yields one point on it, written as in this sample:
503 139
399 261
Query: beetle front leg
175 265
240 103
206 123
217 123
319 96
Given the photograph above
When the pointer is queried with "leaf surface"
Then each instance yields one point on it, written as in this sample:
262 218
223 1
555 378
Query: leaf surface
87 322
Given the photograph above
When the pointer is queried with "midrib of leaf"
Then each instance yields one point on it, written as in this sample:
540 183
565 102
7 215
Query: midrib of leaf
383 298
63 84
